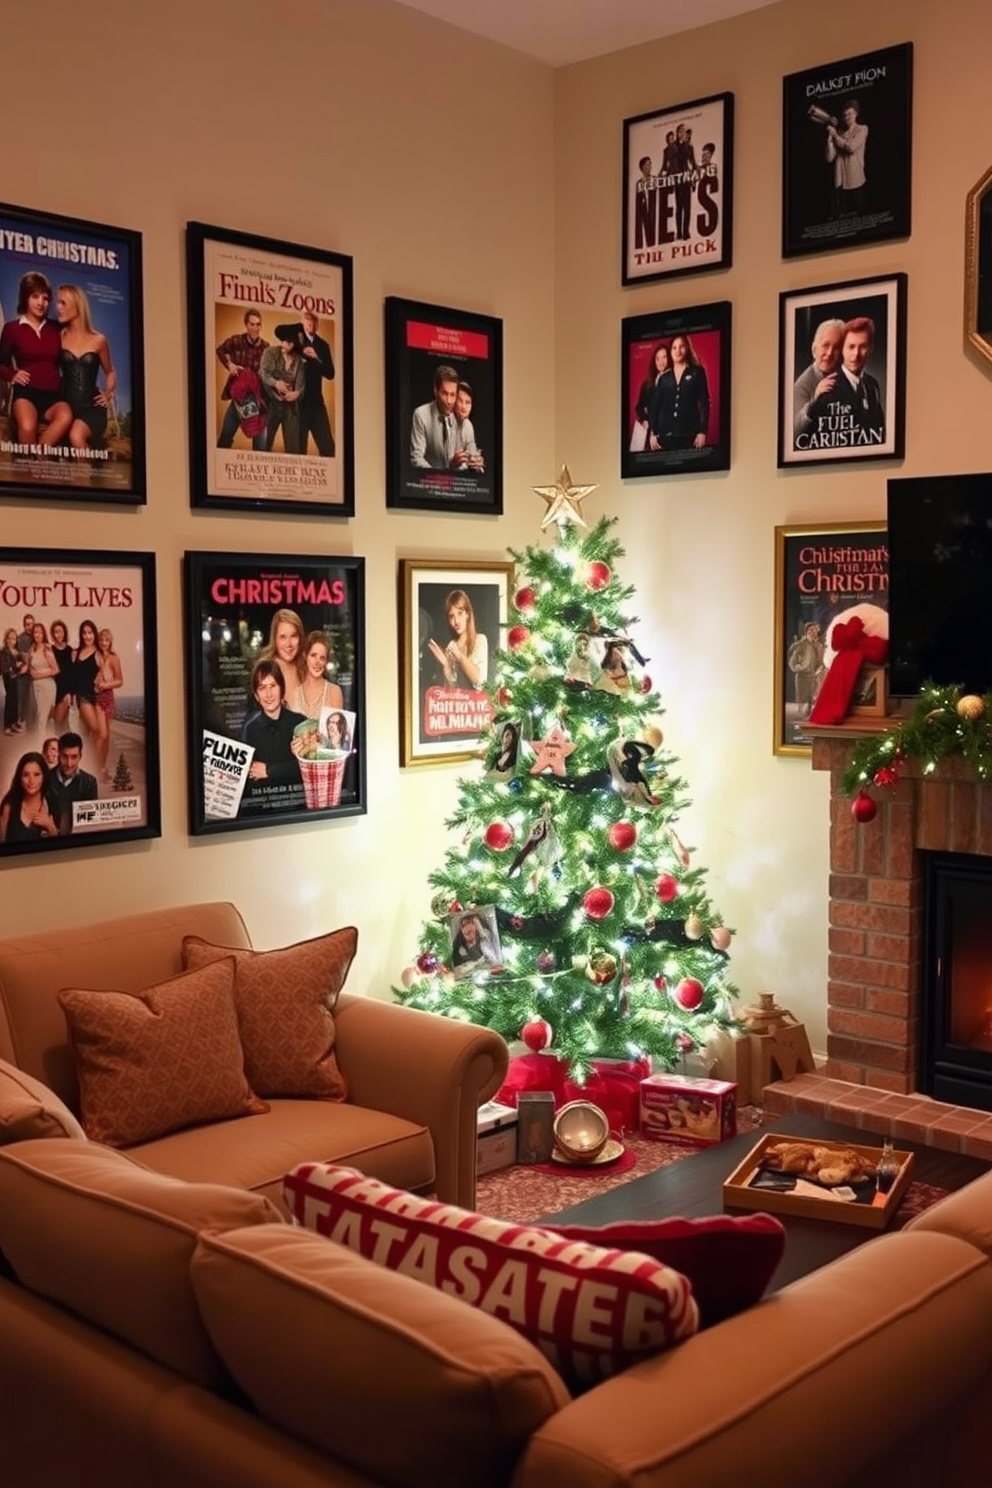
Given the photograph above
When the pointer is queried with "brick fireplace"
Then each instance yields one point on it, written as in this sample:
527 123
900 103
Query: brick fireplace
874 960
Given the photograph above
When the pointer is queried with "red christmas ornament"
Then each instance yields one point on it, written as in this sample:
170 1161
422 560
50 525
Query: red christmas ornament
684 1043
504 697
517 636
599 575
667 888
645 683
537 1035
660 983
622 836
689 993
863 808
525 599
886 775
498 836
598 903
427 962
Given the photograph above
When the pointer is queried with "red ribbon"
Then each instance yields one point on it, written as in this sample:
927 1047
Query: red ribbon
852 649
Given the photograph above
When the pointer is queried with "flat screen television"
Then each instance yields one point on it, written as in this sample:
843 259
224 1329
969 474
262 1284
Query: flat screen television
940 583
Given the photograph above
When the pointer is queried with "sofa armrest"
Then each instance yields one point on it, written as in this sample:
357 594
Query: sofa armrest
814 1385
427 1069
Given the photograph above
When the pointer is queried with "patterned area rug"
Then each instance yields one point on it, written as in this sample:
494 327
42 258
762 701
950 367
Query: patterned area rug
522 1194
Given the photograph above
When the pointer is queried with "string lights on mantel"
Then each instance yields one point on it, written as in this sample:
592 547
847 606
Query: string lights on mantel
944 722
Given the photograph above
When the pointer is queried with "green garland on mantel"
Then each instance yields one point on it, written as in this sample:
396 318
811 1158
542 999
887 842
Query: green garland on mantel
944 722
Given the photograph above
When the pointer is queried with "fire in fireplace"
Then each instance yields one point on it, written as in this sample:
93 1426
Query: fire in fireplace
956 983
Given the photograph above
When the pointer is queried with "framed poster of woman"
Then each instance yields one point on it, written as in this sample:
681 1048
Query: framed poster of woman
452 617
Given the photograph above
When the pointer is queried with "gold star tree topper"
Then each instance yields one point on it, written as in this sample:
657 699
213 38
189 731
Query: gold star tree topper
563 502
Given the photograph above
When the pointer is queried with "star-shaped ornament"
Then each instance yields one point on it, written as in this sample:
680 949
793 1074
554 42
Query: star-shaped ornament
552 753
564 502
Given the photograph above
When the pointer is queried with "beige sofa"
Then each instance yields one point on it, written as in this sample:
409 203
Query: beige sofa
178 1352
155 1331
415 1081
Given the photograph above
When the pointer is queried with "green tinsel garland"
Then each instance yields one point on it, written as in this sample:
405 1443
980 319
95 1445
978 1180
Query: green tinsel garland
934 731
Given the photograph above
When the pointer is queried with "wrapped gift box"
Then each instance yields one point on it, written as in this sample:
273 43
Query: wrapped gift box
497 1138
678 1108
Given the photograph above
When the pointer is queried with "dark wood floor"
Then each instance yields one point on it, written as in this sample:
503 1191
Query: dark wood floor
695 1187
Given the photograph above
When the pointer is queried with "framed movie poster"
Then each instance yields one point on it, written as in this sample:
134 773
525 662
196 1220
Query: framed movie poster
678 190
823 573
275 651
444 409
79 752
847 152
842 372
452 617
72 388
270 374
675 391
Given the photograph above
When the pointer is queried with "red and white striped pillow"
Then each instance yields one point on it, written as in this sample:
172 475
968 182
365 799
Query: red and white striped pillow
591 1311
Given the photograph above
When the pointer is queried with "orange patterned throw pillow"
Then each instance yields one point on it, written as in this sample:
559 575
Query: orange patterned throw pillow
153 1062
285 1001
591 1311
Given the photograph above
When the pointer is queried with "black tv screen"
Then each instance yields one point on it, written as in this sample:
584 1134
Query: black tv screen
940 583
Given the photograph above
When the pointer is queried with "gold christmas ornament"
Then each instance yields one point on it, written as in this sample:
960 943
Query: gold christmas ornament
970 707
601 967
581 1131
652 735
694 927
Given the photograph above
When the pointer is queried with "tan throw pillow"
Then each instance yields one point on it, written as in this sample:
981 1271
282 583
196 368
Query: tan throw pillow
403 1384
152 1062
29 1109
98 1233
285 1000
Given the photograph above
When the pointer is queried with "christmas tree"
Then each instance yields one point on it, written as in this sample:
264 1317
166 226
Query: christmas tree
569 906
122 775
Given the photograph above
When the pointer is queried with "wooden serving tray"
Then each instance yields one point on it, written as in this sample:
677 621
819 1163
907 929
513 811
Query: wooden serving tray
738 1194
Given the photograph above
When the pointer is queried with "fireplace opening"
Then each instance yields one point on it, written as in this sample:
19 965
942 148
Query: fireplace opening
956 981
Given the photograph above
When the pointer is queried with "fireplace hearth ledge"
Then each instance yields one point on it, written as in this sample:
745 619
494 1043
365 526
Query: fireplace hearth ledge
911 1118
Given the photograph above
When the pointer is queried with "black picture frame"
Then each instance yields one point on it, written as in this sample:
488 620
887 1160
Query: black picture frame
423 340
839 425
822 570
245 608
678 193
230 276
708 331
115 794
93 447
847 180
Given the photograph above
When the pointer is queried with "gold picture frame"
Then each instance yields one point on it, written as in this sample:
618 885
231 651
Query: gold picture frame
444 709
978 266
821 569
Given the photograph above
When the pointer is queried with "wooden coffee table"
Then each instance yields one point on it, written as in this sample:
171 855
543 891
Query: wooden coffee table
694 1187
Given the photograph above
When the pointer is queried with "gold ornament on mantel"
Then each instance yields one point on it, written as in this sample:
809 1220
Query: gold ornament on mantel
970 707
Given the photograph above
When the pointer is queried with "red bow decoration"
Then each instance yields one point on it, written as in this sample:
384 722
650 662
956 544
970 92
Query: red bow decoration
853 648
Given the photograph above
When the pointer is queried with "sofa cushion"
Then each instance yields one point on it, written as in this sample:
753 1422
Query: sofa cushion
728 1259
90 1229
285 1002
29 1109
308 1329
156 1061
591 1311
256 1154
966 1213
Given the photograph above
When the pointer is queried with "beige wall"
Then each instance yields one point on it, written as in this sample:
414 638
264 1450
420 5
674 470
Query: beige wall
363 127
701 549
138 123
